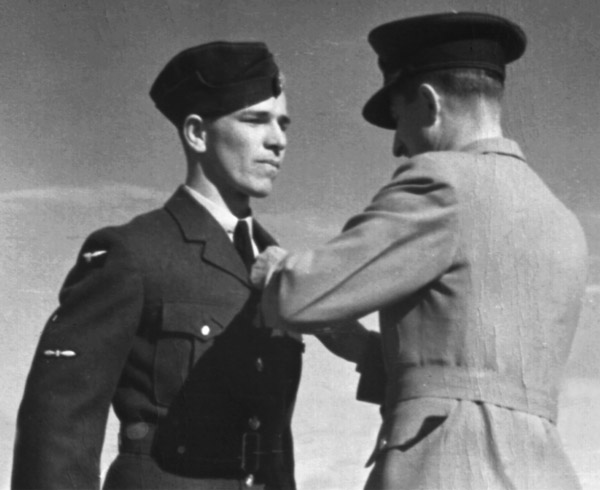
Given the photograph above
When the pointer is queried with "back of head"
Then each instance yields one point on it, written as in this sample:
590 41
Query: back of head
462 54
462 84
215 79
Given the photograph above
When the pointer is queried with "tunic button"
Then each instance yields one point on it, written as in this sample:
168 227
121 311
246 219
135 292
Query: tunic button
383 443
205 330
254 423
249 481
260 365
181 449
137 431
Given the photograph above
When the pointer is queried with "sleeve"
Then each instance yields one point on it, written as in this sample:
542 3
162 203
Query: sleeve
76 368
402 241
348 341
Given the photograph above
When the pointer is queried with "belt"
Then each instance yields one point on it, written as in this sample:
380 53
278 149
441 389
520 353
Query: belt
140 438
463 383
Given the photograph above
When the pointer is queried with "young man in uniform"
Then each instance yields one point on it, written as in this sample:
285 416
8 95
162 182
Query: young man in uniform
158 317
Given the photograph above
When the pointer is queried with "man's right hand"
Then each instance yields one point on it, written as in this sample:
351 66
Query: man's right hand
266 263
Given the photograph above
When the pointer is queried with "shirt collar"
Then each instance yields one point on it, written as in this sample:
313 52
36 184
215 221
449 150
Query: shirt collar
222 215
501 146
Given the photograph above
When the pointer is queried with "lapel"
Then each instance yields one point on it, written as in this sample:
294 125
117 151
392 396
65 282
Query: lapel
261 236
198 225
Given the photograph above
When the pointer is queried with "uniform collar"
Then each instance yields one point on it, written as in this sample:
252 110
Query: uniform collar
221 214
501 146
197 224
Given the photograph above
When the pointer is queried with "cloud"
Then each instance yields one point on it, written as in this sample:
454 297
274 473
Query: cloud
103 194
594 270
580 401
590 220
303 228
593 289
51 215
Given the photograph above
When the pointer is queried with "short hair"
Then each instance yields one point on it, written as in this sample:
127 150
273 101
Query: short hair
460 83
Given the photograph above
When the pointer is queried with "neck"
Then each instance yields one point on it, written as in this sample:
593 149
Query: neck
482 122
237 203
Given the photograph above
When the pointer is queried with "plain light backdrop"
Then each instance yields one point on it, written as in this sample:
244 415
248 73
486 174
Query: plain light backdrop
81 146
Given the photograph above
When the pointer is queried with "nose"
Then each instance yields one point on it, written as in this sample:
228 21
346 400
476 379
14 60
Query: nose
398 147
276 139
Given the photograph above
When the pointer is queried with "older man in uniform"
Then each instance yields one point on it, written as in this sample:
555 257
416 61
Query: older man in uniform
158 317
476 268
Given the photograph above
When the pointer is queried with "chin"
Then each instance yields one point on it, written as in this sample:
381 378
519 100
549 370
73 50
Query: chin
258 192
259 188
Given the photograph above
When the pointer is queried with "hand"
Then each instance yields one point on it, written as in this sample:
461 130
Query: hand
265 264
348 339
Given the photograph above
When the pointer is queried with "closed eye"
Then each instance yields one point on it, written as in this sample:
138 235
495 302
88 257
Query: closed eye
264 117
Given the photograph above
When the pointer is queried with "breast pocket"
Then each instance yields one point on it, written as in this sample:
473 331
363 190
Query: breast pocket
187 331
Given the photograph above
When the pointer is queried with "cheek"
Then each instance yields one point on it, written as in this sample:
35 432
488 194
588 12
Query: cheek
230 143
231 151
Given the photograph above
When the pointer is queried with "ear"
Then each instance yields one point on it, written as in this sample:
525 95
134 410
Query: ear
432 102
194 132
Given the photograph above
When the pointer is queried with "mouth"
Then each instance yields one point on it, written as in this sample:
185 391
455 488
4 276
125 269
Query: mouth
273 163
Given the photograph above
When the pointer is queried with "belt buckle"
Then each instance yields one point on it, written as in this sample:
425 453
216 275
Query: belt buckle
249 481
250 452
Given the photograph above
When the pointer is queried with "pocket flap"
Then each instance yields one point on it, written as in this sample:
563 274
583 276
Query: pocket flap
202 321
410 422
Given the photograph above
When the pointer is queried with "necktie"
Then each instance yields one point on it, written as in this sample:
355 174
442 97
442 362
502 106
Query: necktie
243 244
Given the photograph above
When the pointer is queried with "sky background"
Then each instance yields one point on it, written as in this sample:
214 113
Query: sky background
81 146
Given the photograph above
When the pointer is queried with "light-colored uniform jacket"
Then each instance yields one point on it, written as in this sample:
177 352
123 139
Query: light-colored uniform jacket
477 270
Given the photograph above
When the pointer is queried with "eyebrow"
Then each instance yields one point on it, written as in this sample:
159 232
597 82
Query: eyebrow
283 119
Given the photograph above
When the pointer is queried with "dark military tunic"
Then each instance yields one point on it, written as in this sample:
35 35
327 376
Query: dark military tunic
158 318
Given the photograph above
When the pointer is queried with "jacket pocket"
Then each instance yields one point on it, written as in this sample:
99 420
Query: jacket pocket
413 422
187 332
